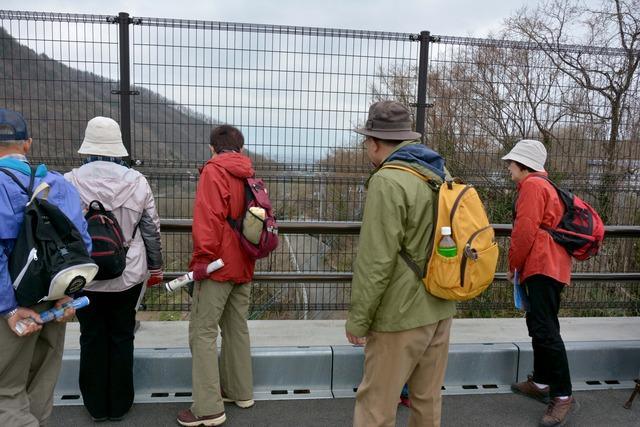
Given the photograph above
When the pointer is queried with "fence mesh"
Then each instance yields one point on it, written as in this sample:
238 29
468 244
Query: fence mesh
297 93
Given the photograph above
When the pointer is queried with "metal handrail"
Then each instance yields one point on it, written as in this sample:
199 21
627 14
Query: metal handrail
333 277
353 227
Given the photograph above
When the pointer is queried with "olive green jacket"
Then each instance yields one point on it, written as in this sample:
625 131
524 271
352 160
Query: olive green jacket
386 295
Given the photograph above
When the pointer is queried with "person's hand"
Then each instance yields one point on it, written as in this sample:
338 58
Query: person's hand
31 325
69 311
356 340
200 272
157 275
510 276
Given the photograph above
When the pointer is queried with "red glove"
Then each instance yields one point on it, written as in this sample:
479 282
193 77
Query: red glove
200 272
155 278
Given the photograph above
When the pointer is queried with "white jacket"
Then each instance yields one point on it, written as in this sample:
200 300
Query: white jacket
127 194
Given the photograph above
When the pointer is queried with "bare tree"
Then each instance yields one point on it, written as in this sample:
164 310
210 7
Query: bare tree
606 72
519 92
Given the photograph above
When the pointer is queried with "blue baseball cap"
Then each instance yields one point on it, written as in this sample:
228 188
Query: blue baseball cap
12 126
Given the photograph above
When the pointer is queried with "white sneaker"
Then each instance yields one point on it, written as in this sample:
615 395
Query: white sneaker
244 404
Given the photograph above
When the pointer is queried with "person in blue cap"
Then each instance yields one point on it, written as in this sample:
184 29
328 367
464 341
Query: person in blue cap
29 361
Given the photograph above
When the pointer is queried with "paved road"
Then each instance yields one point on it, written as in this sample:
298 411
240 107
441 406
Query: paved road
598 408
306 254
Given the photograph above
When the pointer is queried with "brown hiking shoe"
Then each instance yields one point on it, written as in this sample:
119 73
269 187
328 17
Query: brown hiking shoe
558 411
529 389
186 418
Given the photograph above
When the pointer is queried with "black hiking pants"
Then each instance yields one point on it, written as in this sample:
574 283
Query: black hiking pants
550 364
106 351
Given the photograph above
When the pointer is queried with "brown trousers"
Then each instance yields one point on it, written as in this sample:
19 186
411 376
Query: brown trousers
417 357
29 368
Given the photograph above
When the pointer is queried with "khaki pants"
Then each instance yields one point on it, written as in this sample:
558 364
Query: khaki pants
417 357
29 368
227 305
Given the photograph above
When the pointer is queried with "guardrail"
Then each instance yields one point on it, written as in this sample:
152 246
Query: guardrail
314 293
353 227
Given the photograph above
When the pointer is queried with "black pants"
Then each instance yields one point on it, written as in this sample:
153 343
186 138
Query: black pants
550 365
106 351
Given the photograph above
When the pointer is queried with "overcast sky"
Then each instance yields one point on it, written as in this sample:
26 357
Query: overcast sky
195 89
443 17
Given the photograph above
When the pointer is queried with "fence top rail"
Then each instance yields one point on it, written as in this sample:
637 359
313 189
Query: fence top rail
514 44
353 227
273 29
297 30
53 16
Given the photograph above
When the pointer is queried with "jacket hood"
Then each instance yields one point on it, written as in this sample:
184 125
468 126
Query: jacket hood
531 175
114 185
419 155
236 164
22 166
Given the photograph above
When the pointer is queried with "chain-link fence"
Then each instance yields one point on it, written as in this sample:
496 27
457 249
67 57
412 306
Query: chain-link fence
297 93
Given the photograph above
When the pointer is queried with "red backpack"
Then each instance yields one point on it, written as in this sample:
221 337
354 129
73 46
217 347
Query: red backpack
256 228
581 230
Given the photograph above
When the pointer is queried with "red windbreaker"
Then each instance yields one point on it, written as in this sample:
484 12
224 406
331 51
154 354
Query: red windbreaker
532 249
220 194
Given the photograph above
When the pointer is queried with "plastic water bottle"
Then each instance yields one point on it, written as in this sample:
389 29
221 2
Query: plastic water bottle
185 279
53 313
447 247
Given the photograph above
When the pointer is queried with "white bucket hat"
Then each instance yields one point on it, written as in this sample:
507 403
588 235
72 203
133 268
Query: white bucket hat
530 153
103 138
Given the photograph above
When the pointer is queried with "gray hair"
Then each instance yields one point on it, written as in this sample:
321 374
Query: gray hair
11 143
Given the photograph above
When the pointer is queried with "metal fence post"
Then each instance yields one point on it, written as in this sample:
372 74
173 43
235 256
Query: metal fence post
423 71
124 21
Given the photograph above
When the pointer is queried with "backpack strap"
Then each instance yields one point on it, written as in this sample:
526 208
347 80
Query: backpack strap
32 177
236 223
565 196
43 187
135 231
406 169
420 272
430 182
18 182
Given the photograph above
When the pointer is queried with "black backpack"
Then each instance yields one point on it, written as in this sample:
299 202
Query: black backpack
49 259
109 247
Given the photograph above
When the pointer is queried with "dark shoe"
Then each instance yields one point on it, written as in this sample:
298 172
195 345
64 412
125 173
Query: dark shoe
119 417
99 419
244 404
186 418
529 389
558 411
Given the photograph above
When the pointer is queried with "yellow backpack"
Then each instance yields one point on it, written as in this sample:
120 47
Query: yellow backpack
471 271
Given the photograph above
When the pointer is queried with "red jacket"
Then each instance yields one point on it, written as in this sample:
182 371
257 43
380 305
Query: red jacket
220 194
532 249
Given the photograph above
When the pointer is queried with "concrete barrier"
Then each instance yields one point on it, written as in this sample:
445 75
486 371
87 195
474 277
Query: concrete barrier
594 364
162 374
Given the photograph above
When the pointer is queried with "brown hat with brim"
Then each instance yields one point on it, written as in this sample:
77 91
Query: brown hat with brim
390 121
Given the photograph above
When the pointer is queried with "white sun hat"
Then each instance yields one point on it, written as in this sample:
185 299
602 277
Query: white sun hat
103 138
530 153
